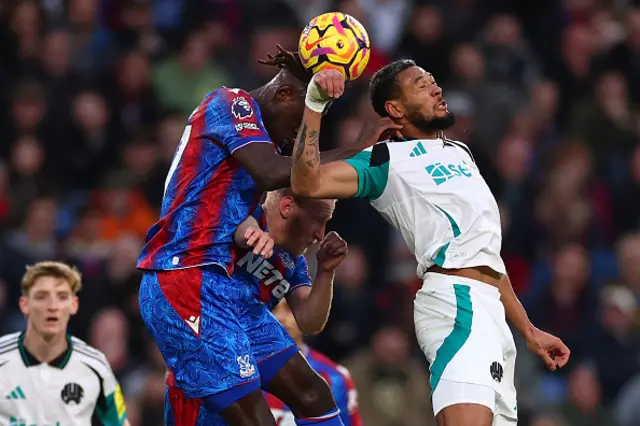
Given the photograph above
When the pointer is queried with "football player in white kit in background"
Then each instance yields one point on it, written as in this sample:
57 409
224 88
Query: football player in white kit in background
48 377
429 188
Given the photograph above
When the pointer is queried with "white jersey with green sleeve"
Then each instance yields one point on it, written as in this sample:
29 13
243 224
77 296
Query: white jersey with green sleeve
67 391
433 193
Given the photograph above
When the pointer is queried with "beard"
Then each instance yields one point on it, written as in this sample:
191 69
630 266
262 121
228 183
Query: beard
431 125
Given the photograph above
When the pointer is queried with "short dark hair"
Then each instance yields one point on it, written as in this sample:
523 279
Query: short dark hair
384 85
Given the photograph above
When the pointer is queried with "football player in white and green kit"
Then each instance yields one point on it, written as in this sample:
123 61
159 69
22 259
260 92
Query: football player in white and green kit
48 378
430 189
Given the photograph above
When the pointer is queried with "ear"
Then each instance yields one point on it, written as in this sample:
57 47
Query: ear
286 207
24 305
75 304
394 109
283 94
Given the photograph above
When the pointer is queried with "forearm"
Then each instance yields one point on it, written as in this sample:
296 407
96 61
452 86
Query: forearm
280 175
238 237
516 313
305 171
312 314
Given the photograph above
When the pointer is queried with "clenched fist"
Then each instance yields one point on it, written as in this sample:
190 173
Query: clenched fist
324 87
331 253
331 82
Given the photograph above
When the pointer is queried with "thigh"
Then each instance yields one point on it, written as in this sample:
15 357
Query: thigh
458 337
192 316
250 410
271 344
456 400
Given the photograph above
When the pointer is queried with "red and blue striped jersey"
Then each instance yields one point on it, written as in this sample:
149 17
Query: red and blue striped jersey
341 384
207 193
272 278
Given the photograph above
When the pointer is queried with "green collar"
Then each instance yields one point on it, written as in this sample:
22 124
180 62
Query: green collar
31 361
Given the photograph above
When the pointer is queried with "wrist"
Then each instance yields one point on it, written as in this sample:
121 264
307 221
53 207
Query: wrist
325 271
528 331
315 100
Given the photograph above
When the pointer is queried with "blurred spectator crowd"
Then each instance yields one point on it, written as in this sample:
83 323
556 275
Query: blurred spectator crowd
93 99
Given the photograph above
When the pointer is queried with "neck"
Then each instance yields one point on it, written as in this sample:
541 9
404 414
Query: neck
411 132
44 349
259 96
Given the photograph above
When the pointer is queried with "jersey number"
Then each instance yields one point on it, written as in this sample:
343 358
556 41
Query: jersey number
176 158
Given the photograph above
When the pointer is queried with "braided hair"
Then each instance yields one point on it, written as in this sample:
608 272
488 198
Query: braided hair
289 60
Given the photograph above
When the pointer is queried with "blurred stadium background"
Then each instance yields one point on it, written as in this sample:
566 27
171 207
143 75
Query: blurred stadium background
94 94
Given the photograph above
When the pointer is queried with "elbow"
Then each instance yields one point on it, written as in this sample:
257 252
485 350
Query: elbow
271 182
313 327
272 178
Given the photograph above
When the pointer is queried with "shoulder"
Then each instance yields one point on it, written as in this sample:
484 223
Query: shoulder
301 262
9 339
9 344
323 362
461 146
338 374
91 357
376 155
238 102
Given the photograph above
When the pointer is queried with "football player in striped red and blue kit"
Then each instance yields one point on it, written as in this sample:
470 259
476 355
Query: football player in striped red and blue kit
295 223
338 377
194 309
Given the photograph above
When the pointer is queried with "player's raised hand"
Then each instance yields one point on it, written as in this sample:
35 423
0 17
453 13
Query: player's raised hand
332 251
331 83
553 352
261 242
378 130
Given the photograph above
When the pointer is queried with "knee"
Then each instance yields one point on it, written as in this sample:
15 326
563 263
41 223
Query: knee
316 397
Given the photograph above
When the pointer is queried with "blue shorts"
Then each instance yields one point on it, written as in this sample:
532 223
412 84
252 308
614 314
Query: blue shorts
218 340
181 411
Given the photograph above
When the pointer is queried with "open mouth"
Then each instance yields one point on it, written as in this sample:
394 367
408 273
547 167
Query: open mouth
442 105
52 320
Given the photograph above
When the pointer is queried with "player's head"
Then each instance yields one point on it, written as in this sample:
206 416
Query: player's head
283 313
410 96
49 297
298 221
282 99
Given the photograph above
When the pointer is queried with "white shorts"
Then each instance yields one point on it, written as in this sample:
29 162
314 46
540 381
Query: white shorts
462 330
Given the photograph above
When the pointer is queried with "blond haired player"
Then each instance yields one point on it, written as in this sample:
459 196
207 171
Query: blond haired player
429 188
48 377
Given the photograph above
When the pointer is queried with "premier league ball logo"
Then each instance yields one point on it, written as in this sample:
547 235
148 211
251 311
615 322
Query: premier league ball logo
241 109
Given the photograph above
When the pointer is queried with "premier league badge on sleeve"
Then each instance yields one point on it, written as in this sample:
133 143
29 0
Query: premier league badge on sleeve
241 108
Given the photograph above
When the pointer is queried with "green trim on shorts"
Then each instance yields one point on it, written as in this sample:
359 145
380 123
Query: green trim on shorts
458 336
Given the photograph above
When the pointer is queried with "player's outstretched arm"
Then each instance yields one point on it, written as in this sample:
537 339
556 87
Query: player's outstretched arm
363 175
311 305
553 352
273 171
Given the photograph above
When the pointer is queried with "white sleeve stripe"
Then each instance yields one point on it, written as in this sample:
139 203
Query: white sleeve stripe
247 142
101 360
8 349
